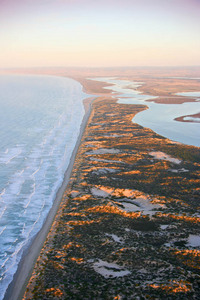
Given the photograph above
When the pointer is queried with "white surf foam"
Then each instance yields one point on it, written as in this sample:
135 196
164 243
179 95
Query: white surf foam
39 129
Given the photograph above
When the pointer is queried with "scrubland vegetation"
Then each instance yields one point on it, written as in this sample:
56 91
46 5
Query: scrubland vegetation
123 228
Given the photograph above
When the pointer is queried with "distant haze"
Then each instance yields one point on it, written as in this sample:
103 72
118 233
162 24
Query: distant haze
89 33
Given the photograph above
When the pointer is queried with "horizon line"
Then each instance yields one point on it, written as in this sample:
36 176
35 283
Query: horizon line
98 67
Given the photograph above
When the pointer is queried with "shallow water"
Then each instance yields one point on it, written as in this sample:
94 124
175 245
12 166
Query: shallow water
160 117
40 119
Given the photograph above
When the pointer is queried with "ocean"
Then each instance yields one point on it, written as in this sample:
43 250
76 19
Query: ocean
159 117
40 120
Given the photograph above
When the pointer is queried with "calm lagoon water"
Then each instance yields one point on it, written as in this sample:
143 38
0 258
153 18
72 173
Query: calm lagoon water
40 119
160 117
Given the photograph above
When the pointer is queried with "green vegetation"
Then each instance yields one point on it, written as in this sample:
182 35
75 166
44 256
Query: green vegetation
150 239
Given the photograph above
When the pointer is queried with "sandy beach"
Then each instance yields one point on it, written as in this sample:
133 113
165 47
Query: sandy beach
17 286
21 277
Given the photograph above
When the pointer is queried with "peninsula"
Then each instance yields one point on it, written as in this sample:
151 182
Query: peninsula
128 223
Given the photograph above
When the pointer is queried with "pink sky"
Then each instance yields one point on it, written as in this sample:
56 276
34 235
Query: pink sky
99 33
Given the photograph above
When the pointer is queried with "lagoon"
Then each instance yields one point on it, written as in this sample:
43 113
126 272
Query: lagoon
159 117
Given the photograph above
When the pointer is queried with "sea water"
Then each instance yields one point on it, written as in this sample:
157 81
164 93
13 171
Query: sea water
159 117
40 118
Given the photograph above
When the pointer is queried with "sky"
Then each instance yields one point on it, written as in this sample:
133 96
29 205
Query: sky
99 33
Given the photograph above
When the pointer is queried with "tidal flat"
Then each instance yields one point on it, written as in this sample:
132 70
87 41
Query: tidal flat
127 220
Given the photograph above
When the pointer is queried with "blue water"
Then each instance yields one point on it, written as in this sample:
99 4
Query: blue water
159 117
40 119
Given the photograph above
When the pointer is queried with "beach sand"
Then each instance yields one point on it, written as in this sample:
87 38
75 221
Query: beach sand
21 277
17 286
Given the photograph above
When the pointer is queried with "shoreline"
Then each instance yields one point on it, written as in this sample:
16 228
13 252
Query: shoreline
195 118
34 249
25 267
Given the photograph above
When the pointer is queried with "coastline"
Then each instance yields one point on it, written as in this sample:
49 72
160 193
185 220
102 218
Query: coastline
52 218
195 118
17 287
